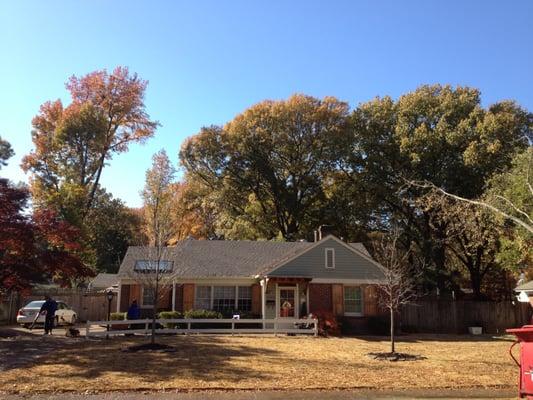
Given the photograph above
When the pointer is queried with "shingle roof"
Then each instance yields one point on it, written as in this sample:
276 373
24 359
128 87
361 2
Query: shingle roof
220 258
528 286
103 281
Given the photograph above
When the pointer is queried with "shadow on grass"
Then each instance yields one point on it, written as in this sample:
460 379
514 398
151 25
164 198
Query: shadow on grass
430 337
204 358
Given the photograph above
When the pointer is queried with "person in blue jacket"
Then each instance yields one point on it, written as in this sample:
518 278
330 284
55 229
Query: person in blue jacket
134 312
48 308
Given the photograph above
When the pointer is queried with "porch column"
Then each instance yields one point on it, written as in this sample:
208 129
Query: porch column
173 296
264 283
119 295
297 302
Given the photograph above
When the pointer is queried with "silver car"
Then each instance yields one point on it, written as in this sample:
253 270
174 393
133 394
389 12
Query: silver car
64 314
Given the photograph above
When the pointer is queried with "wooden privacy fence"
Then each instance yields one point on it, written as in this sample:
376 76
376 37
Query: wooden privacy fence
232 326
88 305
443 316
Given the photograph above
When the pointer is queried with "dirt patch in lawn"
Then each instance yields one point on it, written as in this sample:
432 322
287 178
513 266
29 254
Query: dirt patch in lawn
233 363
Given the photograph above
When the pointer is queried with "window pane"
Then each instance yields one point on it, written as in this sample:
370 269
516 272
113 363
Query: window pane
244 302
151 266
223 298
330 258
148 296
202 299
353 302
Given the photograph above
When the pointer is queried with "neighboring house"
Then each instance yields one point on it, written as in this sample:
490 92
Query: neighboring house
525 292
263 278
103 281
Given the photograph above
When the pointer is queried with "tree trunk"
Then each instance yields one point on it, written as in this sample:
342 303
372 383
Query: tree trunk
154 308
475 281
392 349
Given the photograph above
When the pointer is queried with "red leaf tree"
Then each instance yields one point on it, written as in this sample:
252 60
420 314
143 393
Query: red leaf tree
34 247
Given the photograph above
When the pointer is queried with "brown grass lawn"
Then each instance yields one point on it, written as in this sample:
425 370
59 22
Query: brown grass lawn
225 362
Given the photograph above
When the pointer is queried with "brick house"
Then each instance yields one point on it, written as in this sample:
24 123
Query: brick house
263 278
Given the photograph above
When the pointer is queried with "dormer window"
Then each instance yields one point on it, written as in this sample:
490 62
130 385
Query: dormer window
330 258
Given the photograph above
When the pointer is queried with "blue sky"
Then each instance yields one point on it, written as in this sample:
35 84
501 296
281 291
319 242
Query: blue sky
206 61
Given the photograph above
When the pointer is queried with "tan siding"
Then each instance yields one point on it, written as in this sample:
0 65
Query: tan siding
337 299
188 296
256 299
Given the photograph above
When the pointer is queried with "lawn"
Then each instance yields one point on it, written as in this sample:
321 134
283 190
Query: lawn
225 362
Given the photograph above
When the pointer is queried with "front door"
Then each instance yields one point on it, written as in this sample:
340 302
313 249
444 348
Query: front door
287 303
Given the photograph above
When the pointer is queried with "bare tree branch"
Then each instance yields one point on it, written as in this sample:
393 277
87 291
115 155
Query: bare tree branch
516 220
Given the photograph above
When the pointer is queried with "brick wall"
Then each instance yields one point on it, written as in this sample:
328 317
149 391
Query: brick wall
188 296
179 298
164 302
124 298
370 301
320 297
256 299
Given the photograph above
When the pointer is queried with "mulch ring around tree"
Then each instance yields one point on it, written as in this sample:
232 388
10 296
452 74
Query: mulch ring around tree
387 356
159 347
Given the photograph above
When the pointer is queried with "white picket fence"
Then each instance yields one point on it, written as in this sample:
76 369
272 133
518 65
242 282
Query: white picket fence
238 326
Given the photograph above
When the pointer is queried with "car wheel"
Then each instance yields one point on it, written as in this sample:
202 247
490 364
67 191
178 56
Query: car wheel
73 320
57 321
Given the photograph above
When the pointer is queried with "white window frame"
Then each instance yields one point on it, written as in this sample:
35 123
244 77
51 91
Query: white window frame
143 305
326 250
353 314
237 298
212 294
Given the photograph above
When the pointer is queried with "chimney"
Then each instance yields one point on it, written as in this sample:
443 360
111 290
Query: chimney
315 235
325 230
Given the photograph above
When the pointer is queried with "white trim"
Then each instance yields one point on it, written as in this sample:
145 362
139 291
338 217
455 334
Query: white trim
263 283
219 284
350 248
296 300
173 296
353 314
326 249
142 305
348 281
119 295
307 299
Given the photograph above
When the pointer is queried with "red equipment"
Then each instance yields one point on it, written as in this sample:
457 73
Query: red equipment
524 336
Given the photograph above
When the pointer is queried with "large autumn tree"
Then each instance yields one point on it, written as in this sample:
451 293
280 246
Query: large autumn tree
436 133
265 169
34 247
73 144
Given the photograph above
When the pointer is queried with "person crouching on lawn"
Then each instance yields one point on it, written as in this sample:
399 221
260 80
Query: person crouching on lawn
49 308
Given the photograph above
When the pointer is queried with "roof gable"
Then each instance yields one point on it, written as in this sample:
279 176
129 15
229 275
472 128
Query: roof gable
350 263
227 258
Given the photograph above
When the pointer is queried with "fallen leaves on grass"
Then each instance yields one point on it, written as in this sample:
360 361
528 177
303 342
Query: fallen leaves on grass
203 362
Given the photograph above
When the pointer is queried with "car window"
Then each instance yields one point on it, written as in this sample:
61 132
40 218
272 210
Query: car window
63 306
35 304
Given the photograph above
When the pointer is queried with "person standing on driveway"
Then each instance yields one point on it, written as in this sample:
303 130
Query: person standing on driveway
49 308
